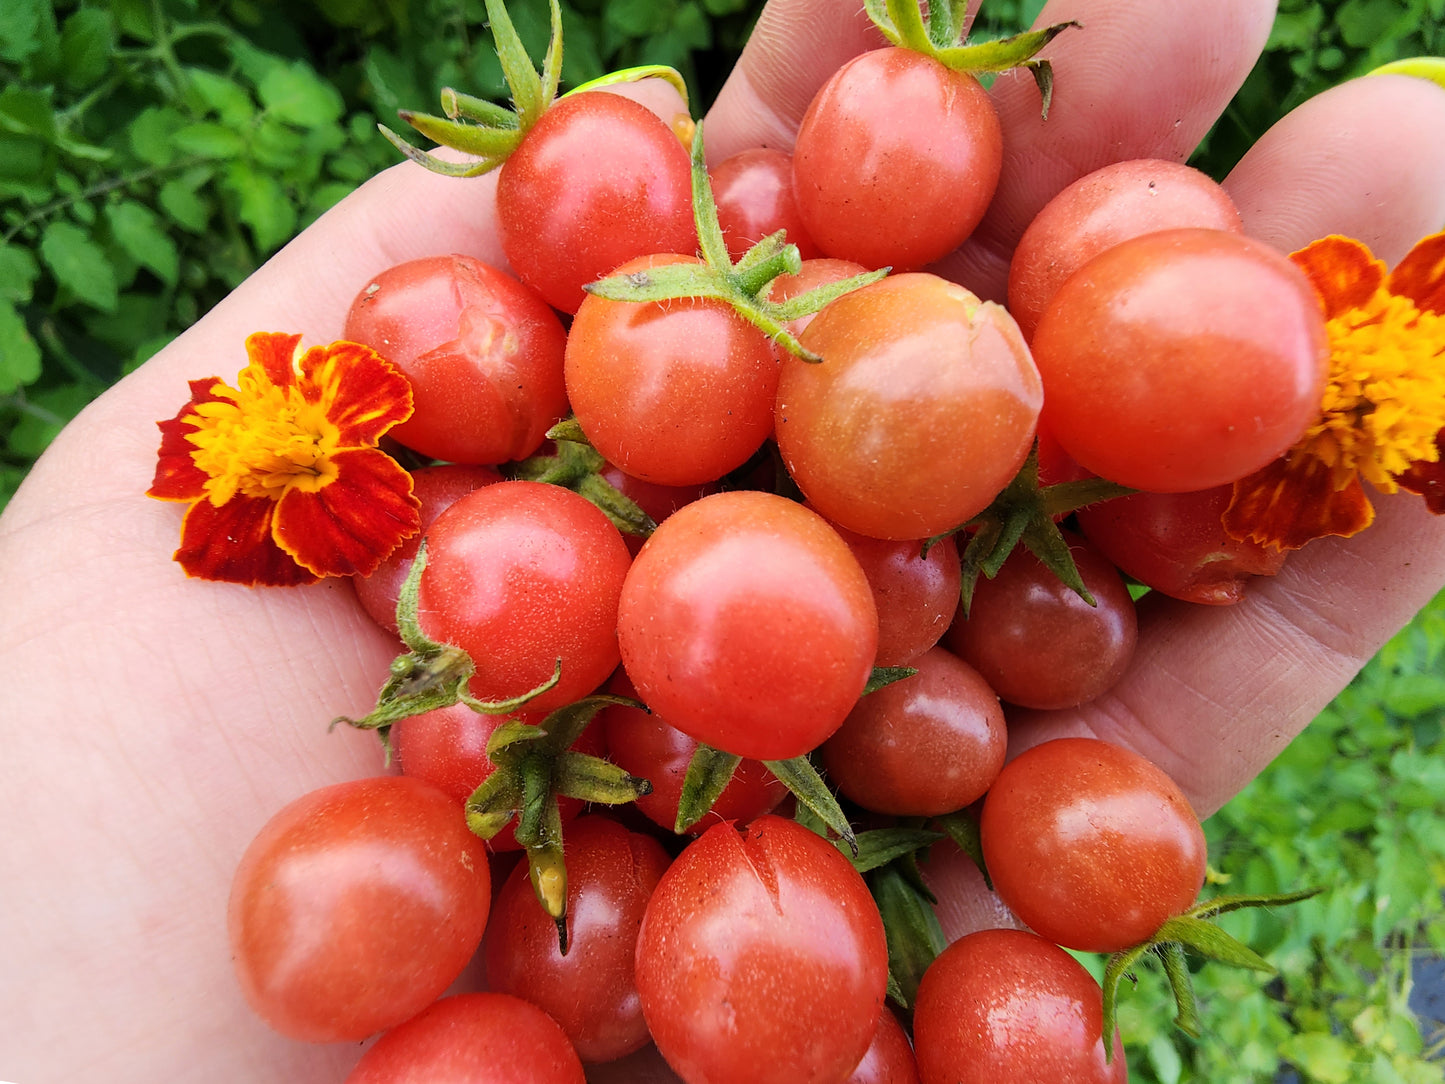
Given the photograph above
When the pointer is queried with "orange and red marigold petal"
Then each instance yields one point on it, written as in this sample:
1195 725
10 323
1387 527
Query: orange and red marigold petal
1428 479
1343 272
1294 500
1420 276
177 477
363 394
233 543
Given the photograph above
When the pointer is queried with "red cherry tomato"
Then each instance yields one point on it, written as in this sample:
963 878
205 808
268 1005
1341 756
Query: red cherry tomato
645 746
1007 1007
1096 212
1176 544
761 958
677 392
1182 360
447 747
896 160
754 194
355 907
889 1059
520 574
921 411
483 354
590 991
598 181
1037 642
923 746
746 623
437 488
1091 845
472 1039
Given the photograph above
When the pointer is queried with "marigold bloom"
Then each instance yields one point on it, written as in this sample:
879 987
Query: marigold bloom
1383 416
282 472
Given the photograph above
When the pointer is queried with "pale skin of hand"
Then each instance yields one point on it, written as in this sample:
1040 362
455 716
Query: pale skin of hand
154 723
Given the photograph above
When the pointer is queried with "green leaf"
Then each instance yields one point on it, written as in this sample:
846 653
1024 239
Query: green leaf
800 777
1322 1057
138 230
262 204
184 206
295 93
1210 941
25 111
222 96
47 410
19 354
911 928
880 846
151 134
20 28
708 774
639 18
18 272
209 140
79 265
87 43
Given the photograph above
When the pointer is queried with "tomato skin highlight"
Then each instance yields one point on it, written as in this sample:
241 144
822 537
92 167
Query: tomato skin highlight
598 181
1091 845
762 958
746 623
355 907
483 354
1008 1007
1182 360
485 1038
922 410
896 160
678 392
591 991
520 574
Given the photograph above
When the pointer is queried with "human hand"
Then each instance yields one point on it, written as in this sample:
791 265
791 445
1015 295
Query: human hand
156 722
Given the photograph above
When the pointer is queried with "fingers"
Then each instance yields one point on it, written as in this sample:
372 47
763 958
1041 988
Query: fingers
1359 159
1139 79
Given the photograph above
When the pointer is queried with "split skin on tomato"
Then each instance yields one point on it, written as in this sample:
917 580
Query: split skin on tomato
747 623
482 352
355 907
921 411
1182 360
486 1038
591 991
519 575
674 392
598 181
762 959
1008 1007
1091 845
896 160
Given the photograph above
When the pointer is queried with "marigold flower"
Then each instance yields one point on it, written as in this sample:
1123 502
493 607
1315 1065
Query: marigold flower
282 472
1383 416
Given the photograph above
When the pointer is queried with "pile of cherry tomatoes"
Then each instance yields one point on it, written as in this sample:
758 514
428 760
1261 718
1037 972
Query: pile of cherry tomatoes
817 524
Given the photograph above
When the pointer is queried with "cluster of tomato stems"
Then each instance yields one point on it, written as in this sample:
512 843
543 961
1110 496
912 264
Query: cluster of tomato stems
535 763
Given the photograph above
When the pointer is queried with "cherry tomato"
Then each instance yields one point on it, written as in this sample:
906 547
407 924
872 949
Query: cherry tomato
1037 642
483 354
746 623
754 194
437 488
677 392
598 181
520 574
590 991
921 411
1007 1007
1176 544
645 746
896 160
447 747
916 594
657 501
923 746
889 1059
355 907
1096 212
1090 844
815 272
761 958
1182 360
484 1038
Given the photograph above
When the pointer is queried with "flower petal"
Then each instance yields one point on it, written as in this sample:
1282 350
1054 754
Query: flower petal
363 394
177 476
233 543
1293 501
275 353
1420 276
351 525
1428 479
1343 272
